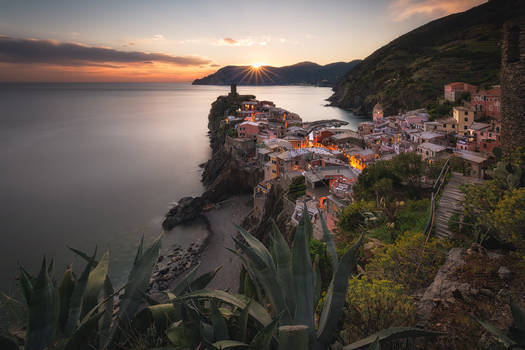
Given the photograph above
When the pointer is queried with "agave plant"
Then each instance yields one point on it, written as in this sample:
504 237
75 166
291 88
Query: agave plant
78 312
292 284
514 338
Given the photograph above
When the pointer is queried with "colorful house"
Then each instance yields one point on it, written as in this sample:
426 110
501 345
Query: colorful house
453 91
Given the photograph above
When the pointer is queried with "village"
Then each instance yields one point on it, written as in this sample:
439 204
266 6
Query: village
321 161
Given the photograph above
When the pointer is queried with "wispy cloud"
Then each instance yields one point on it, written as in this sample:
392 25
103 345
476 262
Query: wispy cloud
404 9
262 41
158 37
14 50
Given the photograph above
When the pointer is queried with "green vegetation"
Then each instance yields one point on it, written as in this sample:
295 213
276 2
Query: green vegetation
411 261
297 188
284 289
495 208
373 305
410 71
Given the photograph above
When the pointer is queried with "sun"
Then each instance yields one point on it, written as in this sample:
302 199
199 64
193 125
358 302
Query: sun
257 65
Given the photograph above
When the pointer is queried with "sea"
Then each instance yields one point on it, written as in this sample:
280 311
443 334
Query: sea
91 165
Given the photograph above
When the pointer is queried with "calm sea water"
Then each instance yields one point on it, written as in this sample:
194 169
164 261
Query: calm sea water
87 165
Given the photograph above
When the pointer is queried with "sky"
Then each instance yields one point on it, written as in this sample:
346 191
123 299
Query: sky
180 40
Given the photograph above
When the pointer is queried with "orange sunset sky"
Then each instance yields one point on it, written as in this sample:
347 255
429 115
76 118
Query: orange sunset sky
179 40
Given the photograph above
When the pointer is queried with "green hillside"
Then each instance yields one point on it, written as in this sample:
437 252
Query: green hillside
410 71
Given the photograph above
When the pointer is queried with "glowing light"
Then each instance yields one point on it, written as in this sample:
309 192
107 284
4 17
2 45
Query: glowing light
257 65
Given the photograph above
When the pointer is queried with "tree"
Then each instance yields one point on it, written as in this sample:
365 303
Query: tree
354 216
408 167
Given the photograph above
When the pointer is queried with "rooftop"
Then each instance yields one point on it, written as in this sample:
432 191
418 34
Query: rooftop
471 156
433 147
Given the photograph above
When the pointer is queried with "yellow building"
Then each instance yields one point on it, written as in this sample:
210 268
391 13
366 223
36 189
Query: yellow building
464 118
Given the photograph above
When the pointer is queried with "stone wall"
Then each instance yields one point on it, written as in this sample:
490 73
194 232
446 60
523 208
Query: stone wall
513 85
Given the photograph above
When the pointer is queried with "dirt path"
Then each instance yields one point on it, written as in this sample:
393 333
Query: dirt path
222 224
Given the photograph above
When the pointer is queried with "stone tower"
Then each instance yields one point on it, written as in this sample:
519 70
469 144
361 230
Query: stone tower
233 89
513 85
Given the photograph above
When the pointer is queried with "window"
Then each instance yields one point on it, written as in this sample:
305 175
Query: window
444 125
453 126
466 119
273 171
484 145
465 127
466 113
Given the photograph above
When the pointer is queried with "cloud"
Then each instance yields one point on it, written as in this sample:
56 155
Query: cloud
158 37
404 9
14 50
262 41
230 41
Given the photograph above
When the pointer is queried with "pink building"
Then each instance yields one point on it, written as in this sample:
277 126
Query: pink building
248 129
453 91
487 103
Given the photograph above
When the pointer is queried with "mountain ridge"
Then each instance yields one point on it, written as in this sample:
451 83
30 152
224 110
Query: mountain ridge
302 73
410 71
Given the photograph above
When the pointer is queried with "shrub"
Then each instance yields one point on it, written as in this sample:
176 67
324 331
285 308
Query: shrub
374 304
352 217
509 215
409 261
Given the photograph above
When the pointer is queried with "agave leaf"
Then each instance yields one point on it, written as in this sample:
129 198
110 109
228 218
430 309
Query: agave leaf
267 277
252 275
283 261
203 280
330 245
109 292
26 282
243 321
335 296
390 334
303 275
185 282
518 315
226 344
89 259
256 310
182 335
498 334
317 281
83 337
161 315
137 284
43 312
76 298
16 312
94 284
263 339
220 328
139 250
258 247
65 291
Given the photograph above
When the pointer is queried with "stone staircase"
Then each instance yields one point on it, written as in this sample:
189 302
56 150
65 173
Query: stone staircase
450 203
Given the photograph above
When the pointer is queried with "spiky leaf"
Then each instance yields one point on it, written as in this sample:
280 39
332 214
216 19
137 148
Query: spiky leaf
43 312
335 296
94 284
303 276
391 334
330 245
227 344
257 311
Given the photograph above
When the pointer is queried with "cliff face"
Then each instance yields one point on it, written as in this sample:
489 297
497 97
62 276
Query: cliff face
306 73
223 174
410 71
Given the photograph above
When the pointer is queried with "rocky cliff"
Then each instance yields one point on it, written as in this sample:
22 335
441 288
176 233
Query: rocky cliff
224 174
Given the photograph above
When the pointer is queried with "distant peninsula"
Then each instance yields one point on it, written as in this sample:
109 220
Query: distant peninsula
304 73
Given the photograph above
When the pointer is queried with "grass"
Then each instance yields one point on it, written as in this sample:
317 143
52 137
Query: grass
412 218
